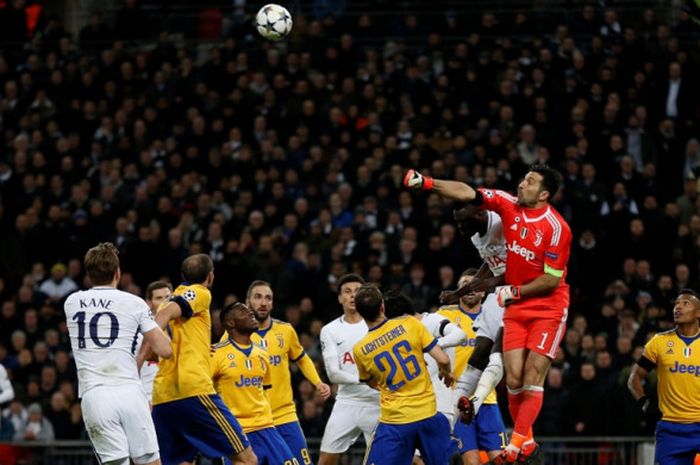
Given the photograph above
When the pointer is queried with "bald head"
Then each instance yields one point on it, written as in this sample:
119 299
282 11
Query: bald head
196 268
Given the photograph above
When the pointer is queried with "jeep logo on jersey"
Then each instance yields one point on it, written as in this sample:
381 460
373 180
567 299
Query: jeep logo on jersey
527 254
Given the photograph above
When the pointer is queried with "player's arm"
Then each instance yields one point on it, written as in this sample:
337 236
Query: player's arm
159 342
332 362
454 190
451 335
306 365
444 365
483 281
556 258
171 311
640 370
363 374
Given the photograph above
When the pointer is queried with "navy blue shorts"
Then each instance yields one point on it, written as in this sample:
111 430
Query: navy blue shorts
294 437
677 443
487 432
396 444
200 423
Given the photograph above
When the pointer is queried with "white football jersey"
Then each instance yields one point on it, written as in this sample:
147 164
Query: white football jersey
104 324
443 394
148 373
337 341
492 246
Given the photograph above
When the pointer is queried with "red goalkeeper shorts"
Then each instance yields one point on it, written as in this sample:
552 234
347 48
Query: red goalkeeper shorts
538 330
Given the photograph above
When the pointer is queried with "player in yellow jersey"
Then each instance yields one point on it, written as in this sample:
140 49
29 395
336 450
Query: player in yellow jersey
390 357
241 373
675 354
188 413
487 432
282 343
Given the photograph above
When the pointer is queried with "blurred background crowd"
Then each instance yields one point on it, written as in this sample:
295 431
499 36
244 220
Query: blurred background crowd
169 134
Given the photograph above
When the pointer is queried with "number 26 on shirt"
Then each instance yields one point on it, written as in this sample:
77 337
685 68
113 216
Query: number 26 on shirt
392 360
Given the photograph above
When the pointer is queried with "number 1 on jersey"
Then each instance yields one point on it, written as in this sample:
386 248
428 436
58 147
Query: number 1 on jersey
544 339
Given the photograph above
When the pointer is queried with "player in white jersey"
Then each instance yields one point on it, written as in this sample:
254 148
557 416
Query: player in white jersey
448 335
356 408
485 366
104 324
156 293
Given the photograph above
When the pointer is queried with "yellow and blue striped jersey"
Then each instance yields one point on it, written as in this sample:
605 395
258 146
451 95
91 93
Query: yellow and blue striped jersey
187 372
391 354
462 352
281 342
677 361
241 374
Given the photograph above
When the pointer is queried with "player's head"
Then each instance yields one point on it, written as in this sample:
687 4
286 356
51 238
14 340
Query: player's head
198 269
347 286
237 317
369 302
397 304
471 219
473 299
156 293
538 187
102 264
687 307
259 299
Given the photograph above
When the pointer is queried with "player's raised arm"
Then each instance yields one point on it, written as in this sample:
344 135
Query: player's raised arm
454 190
159 342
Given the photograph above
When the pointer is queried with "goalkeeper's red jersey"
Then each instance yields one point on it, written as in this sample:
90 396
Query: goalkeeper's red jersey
538 242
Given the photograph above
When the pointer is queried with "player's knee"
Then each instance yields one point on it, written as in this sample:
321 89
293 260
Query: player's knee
480 356
148 459
514 380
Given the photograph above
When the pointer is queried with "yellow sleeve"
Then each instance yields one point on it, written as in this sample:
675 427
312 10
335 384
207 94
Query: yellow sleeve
308 369
427 340
192 300
361 371
651 350
296 351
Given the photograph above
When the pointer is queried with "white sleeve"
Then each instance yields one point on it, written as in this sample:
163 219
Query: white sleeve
452 335
332 362
145 317
7 393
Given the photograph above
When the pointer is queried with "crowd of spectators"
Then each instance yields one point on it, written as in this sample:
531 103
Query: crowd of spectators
284 163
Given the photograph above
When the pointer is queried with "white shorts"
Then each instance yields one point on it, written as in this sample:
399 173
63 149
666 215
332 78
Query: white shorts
490 320
345 424
118 421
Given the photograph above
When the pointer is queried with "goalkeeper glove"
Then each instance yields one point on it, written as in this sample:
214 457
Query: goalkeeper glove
415 180
466 410
506 295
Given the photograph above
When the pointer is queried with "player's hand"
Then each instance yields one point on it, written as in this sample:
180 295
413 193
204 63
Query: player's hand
324 390
643 403
506 295
414 180
449 297
466 410
447 377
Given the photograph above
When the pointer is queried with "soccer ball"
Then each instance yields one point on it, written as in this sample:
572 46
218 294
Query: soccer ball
273 22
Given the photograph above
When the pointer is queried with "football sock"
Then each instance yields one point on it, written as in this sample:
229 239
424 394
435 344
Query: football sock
529 409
